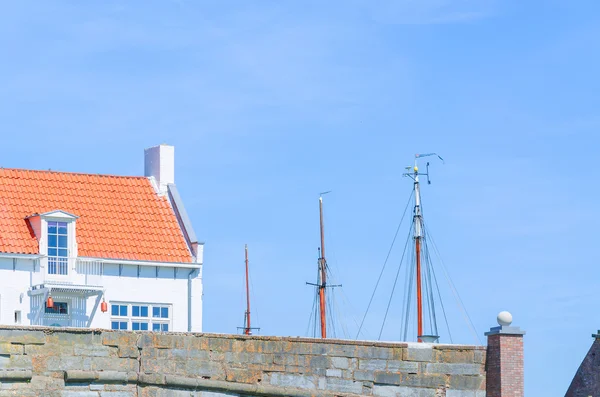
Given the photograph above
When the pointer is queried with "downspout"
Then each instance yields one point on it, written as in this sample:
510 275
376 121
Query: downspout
189 327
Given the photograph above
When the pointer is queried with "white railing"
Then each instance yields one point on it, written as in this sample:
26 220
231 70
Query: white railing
91 268
58 265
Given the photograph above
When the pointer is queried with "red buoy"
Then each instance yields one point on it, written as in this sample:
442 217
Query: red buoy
104 307
50 302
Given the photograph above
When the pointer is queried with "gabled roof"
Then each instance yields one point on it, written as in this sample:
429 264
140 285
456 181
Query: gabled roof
119 217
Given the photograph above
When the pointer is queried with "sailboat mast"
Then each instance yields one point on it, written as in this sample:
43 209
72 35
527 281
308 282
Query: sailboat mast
418 235
323 273
247 329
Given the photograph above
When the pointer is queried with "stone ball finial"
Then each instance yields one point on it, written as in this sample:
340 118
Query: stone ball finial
504 318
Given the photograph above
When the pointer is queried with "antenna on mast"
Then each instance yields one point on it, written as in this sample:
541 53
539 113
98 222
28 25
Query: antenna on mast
418 237
322 277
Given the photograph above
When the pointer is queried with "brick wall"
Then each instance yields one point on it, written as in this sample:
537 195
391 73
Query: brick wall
98 363
504 368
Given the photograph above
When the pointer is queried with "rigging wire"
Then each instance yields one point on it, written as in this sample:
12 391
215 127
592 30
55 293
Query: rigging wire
411 281
456 294
384 264
429 271
394 286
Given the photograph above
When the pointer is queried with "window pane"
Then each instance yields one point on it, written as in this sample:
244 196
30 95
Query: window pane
123 310
164 312
135 326
52 251
62 241
62 227
114 310
52 227
123 325
52 240
156 312
155 327
144 326
62 252
165 327
144 311
135 311
114 325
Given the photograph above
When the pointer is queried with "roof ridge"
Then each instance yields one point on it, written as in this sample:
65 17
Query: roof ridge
73 173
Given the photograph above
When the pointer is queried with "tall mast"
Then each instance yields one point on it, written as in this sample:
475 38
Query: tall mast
418 235
322 273
247 329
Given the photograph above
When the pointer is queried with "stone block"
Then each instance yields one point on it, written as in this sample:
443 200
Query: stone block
118 394
118 338
46 383
77 393
393 391
22 337
93 350
344 385
285 359
454 369
471 382
16 375
364 375
454 355
319 362
465 393
15 362
114 364
416 352
340 362
423 380
342 350
410 367
9 348
290 380
333 372
128 352
479 356
370 352
203 368
372 365
387 378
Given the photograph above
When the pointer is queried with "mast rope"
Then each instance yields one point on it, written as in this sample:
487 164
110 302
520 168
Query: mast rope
384 264
456 294
394 286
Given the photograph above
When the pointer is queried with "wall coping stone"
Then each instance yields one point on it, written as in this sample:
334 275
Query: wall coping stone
390 344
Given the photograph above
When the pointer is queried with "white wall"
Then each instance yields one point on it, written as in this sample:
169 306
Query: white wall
13 283
127 287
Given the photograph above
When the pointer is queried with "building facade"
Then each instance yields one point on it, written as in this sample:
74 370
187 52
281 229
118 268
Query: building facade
101 251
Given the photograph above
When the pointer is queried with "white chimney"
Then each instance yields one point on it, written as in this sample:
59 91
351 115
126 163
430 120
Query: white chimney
159 162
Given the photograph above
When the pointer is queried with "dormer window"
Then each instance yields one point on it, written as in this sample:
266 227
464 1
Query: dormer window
56 233
58 248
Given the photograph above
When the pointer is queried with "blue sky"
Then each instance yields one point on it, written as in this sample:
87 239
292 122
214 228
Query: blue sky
268 103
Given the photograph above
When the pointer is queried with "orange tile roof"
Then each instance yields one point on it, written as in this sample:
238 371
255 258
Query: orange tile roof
119 217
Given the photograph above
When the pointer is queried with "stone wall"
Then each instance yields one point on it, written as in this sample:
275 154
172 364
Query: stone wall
37 361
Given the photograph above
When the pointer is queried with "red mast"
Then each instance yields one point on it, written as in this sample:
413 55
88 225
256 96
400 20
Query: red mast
323 273
418 221
247 329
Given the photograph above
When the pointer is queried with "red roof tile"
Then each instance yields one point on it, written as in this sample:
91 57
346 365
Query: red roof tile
119 217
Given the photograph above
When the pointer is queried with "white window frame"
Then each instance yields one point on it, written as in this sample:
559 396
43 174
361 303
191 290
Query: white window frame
150 319
70 220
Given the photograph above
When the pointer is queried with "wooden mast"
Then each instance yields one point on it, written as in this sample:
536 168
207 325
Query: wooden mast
247 329
418 236
323 273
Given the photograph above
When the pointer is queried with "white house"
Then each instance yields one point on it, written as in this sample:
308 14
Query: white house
79 240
